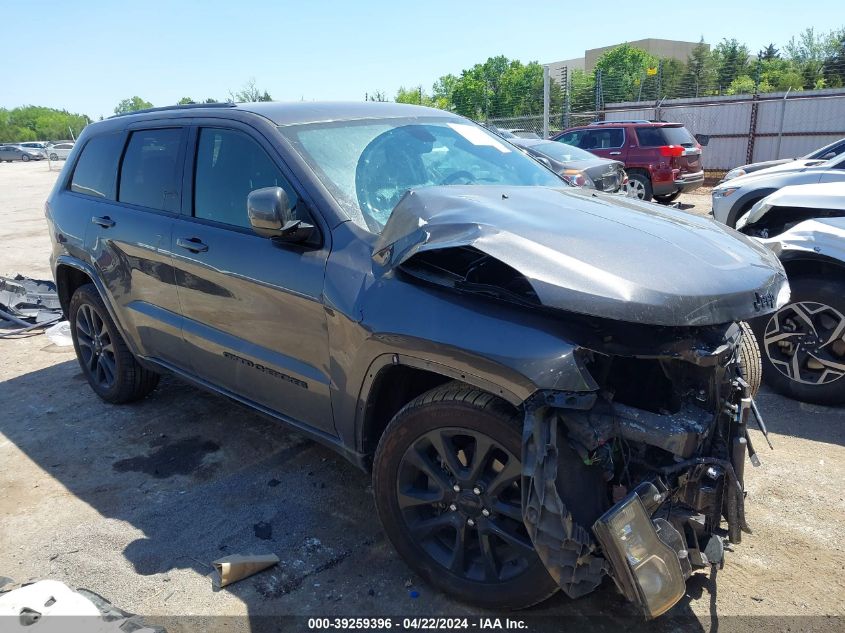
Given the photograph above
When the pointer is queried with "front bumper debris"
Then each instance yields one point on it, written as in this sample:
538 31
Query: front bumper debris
640 495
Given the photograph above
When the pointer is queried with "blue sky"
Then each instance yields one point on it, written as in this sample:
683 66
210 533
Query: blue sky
95 53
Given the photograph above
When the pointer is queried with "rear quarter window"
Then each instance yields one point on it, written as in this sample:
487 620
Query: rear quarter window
94 174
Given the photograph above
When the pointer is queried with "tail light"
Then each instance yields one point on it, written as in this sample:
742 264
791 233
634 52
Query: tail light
671 151
578 178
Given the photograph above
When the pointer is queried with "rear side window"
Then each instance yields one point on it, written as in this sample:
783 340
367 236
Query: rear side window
229 166
658 136
603 138
149 175
95 170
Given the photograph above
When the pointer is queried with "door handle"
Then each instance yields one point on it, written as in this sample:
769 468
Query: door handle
192 244
106 222
615 153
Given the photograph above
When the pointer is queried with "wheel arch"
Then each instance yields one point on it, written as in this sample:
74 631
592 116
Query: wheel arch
800 264
394 380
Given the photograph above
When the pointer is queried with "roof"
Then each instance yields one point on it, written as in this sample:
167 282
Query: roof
313 111
290 113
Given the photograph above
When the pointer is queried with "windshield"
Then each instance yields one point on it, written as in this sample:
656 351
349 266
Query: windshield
368 165
561 152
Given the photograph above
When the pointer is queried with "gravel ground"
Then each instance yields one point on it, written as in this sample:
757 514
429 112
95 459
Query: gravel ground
134 502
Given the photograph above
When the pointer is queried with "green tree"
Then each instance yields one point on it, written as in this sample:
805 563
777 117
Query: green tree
700 73
132 104
415 95
731 59
623 70
769 53
834 63
185 101
672 78
582 88
809 52
35 123
441 92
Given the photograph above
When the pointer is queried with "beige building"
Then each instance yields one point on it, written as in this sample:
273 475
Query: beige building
659 48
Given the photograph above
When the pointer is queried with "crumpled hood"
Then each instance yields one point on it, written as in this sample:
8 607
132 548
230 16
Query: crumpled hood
594 254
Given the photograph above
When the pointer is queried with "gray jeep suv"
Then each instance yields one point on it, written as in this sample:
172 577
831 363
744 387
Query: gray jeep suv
547 383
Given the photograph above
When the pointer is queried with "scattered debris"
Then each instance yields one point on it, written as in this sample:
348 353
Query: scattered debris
408 583
49 600
756 598
59 334
236 567
27 304
273 483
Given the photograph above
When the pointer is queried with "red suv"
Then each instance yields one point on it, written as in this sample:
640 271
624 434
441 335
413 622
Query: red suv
662 160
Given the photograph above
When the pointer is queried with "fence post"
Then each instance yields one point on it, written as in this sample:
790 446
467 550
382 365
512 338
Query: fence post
752 128
546 97
782 117
566 95
598 95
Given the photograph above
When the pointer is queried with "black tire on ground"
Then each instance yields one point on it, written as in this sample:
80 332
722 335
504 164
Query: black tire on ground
110 368
821 361
749 359
25 158
54 156
644 181
669 198
409 468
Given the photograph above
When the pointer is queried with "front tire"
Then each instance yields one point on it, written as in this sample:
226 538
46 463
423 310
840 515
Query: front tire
803 343
54 156
110 368
446 478
25 158
750 359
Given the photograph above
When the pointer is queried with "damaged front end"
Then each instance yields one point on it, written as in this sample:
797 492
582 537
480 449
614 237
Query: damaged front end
637 479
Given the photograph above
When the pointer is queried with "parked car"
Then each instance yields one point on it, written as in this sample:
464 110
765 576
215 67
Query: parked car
60 151
662 160
822 154
803 343
579 166
732 199
11 153
404 286
35 146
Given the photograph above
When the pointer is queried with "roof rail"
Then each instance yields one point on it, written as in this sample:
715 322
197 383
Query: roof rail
184 106
618 122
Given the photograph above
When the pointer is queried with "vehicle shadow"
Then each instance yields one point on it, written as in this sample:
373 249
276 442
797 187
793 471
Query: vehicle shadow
800 419
184 477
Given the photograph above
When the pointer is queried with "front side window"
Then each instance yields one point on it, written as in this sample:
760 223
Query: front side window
229 166
368 165
149 175
95 170
572 138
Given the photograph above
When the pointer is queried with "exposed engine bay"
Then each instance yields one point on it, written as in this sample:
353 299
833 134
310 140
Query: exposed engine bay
665 433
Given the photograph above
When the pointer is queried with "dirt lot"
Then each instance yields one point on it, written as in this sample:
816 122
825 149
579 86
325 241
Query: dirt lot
134 502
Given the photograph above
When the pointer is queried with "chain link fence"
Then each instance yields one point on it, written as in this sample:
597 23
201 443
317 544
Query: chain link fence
741 128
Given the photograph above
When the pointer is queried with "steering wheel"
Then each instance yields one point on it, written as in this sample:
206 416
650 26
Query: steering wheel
453 178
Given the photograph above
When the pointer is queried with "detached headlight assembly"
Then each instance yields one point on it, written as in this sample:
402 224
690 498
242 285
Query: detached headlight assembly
647 570
724 193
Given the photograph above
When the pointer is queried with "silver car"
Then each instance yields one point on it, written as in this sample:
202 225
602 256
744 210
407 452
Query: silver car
11 153
803 343
59 151
733 198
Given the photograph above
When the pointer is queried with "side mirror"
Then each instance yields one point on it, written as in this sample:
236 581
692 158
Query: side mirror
271 215
703 139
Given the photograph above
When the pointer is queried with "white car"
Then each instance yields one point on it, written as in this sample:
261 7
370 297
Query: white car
59 151
803 344
733 198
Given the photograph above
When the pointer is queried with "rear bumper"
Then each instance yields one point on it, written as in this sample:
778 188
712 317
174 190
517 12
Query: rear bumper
684 184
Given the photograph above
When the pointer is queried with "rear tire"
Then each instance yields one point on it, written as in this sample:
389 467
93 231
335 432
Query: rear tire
54 156
110 368
458 436
668 198
639 186
802 355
